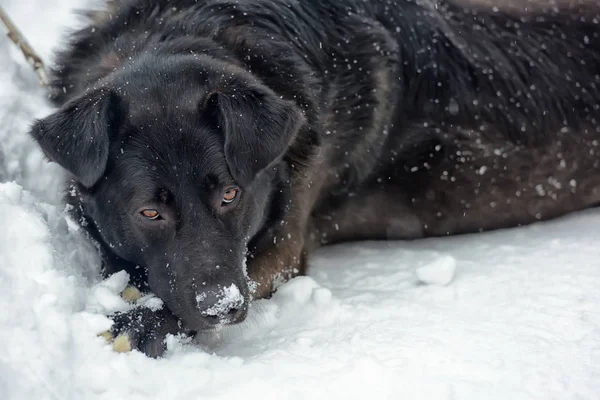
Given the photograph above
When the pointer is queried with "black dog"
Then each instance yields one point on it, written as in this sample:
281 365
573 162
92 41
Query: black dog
203 133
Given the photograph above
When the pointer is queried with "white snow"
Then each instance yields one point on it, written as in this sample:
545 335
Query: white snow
437 272
520 321
150 301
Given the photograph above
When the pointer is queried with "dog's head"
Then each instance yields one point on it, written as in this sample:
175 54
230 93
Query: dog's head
177 163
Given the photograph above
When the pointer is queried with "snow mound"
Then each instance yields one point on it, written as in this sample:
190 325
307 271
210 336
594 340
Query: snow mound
439 272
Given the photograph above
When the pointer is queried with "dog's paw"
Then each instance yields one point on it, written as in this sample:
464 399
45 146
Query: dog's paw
142 329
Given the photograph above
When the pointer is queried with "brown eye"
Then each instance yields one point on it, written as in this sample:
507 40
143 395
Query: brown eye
150 214
229 195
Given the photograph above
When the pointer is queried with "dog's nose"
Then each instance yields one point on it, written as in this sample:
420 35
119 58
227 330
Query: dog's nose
222 305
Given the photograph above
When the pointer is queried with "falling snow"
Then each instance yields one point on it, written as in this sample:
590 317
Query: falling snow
518 317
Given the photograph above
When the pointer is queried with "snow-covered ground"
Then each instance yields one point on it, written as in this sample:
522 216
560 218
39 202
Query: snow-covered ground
504 315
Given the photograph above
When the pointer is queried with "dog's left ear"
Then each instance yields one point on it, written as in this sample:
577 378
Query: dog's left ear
78 136
258 126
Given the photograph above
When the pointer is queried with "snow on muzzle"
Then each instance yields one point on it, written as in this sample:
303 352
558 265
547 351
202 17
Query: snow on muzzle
223 305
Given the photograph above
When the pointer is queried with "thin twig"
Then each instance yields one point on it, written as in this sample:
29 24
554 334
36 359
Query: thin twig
30 55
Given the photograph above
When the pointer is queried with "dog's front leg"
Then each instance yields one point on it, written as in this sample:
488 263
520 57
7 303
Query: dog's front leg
280 262
140 328
285 257
143 329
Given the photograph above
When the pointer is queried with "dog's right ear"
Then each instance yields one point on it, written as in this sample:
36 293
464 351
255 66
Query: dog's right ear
78 136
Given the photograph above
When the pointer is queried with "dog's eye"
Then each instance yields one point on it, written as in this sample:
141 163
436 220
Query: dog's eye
150 214
229 195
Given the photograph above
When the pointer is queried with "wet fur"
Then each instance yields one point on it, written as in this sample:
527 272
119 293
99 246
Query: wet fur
420 118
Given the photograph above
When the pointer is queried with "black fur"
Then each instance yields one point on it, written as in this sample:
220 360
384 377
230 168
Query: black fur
92 122
338 120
